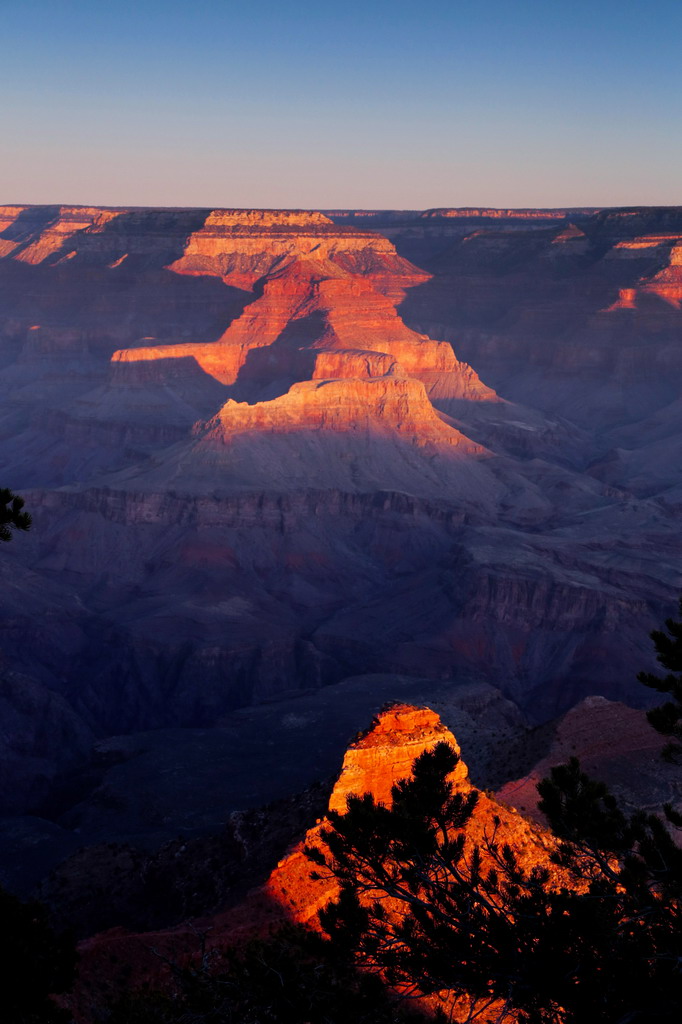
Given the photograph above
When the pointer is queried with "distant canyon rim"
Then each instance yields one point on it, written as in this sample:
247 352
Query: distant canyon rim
270 451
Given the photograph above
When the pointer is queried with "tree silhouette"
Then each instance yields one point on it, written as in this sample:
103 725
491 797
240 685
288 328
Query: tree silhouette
667 719
34 964
432 911
11 516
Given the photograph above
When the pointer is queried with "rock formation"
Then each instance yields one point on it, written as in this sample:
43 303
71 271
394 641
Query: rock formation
384 754
242 246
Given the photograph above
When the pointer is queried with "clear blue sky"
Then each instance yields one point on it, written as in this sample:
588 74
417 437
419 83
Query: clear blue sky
291 103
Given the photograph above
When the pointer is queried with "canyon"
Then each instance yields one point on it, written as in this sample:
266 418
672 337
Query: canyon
283 463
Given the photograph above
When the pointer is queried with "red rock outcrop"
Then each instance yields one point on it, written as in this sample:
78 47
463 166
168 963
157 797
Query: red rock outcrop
242 246
667 283
388 404
239 246
664 252
347 363
386 752
378 759
382 756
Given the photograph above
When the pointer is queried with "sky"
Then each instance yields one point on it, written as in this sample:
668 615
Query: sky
374 104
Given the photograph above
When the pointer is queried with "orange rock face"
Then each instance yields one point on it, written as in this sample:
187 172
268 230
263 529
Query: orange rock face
382 756
667 283
373 764
389 404
347 363
386 752
241 246
349 313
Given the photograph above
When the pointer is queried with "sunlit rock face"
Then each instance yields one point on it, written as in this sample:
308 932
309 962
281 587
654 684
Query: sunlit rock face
380 757
239 246
387 404
259 463
242 246
385 753
667 283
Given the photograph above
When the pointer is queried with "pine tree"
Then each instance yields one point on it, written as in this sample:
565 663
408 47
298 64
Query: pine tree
290 977
667 719
628 871
432 911
35 963
11 516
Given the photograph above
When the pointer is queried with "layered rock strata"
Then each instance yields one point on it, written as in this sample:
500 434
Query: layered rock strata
313 304
391 404
243 246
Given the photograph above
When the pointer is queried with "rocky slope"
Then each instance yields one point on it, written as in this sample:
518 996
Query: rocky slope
614 744
378 758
